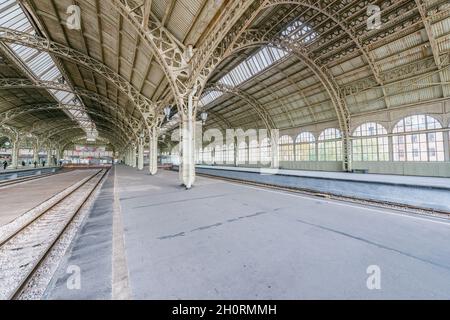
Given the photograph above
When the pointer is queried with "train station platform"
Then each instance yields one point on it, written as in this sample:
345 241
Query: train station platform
422 192
146 237
25 172
18 199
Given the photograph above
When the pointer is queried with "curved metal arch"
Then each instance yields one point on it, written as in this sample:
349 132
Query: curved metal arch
9 132
219 118
51 134
13 113
233 38
312 4
258 38
137 125
167 50
256 106
205 59
67 124
143 104
42 129
69 140
82 138
300 91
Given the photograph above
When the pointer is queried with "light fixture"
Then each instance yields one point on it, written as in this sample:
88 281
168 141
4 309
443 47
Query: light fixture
204 117
7 144
167 112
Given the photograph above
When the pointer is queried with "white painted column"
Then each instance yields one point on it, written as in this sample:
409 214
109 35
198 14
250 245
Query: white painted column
446 146
36 154
134 157
49 157
153 151
60 155
347 150
391 148
15 147
188 124
141 154
275 154
236 152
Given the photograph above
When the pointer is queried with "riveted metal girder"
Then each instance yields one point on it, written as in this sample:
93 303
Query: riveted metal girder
143 104
136 124
13 113
206 57
257 38
9 132
169 52
68 129
253 103
66 141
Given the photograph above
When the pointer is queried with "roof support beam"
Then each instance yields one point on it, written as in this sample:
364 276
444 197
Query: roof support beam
144 105
431 40
253 103
105 102
11 114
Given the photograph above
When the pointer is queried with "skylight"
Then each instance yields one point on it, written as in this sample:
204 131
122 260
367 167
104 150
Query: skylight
300 32
40 64
261 60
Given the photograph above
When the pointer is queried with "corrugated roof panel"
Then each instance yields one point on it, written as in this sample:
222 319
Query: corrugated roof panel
400 45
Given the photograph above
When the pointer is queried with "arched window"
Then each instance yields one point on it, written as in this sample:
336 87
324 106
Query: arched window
175 155
218 154
207 155
417 138
242 152
305 147
286 148
253 152
371 147
199 156
330 145
265 151
230 153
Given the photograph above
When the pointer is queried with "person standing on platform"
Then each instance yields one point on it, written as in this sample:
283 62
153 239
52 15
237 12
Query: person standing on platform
5 165
35 164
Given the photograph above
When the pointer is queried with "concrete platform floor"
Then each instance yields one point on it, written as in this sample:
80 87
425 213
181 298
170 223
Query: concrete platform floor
15 200
414 181
228 241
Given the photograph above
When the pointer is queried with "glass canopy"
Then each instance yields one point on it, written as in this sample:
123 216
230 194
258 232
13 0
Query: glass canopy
41 65
261 60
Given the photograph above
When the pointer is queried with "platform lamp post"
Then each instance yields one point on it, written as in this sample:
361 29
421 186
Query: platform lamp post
168 112
204 117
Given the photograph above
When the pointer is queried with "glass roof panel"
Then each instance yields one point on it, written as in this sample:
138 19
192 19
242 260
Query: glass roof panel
40 64
264 58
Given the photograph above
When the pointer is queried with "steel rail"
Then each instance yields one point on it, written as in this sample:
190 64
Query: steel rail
9 182
16 292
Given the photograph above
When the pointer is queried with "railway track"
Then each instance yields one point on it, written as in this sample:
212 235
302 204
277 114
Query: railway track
309 192
24 250
11 182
